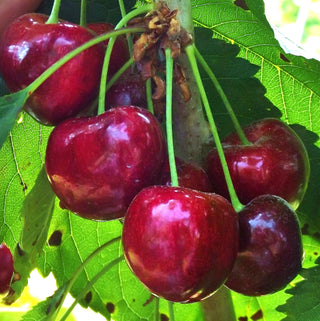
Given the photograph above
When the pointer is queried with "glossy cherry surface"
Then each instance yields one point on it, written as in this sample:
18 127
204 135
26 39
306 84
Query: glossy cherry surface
276 163
6 268
120 51
180 243
96 165
270 249
29 46
189 175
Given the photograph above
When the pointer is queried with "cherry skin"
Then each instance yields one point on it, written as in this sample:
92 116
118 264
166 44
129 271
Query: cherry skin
270 249
276 163
96 165
29 47
6 268
180 243
189 175
120 51
130 89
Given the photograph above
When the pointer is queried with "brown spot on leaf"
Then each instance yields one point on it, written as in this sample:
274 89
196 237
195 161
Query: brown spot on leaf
20 251
88 297
55 238
149 300
110 307
243 319
242 4
24 186
163 317
283 57
257 316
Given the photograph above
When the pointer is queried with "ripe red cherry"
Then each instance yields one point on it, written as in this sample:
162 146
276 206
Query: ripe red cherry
29 46
120 51
276 163
189 175
6 268
130 89
270 249
180 243
96 165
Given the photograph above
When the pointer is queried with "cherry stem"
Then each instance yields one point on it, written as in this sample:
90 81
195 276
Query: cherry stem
169 75
83 13
48 72
54 15
115 77
171 311
193 62
123 14
79 270
223 96
156 309
149 95
90 285
121 23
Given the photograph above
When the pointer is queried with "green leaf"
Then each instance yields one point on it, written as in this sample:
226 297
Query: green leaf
36 213
10 106
305 302
11 316
38 313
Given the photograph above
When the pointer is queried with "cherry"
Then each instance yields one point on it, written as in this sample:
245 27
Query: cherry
180 243
6 268
270 249
29 47
276 163
189 175
120 51
96 165
130 89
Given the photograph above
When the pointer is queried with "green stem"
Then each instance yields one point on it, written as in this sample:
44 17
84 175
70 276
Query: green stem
90 285
223 96
192 59
103 81
79 270
83 13
48 72
171 311
156 309
169 76
123 14
122 8
54 15
149 95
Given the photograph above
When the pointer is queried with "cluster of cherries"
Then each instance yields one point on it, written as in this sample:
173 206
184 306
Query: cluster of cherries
182 242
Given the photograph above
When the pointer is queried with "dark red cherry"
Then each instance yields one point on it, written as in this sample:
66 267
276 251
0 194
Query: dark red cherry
120 51
276 163
6 268
96 165
130 89
270 249
29 46
189 175
180 243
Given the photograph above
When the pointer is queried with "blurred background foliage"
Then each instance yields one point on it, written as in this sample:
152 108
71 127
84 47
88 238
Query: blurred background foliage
298 20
